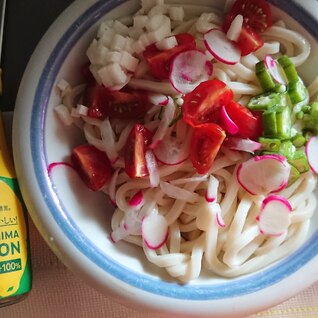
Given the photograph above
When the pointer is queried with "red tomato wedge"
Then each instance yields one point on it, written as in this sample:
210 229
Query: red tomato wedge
202 105
159 61
248 124
205 144
257 14
135 149
249 41
92 165
124 104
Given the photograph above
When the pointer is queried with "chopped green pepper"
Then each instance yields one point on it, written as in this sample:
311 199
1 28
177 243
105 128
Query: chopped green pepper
270 144
293 175
297 91
264 77
289 68
299 161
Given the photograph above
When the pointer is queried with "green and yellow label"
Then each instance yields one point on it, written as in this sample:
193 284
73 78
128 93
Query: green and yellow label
15 272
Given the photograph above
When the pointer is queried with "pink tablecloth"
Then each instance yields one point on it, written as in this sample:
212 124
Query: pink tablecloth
57 293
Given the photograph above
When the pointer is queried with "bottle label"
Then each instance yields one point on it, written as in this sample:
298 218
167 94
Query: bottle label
15 268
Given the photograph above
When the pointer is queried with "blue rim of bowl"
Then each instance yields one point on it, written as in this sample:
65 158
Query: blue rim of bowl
228 289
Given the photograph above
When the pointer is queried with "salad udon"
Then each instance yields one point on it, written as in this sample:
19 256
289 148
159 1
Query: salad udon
201 132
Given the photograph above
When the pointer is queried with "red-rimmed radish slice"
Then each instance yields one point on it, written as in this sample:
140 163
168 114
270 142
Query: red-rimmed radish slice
221 47
189 69
152 167
263 174
275 70
219 220
154 229
158 99
212 189
274 217
172 151
312 153
137 199
228 123
241 144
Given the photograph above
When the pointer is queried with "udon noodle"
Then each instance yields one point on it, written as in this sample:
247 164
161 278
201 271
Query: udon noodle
197 236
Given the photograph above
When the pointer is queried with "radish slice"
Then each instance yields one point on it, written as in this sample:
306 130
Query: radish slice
152 169
221 47
219 220
274 217
154 231
312 153
263 174
275 70
240 144
212 190
228 123
159 99
189 69
137 199
172 151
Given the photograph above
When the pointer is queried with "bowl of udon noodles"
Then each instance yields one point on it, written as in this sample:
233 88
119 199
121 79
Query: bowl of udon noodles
167 151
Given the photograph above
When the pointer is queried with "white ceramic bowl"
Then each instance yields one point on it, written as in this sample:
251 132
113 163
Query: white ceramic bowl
77 230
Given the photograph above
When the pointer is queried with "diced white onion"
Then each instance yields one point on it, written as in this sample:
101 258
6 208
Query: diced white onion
167 43
176 13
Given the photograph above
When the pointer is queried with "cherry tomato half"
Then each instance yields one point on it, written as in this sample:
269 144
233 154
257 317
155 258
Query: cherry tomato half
202 105
248 124
159 61
135 149
124 104
249 41
256 13
205 144
92 165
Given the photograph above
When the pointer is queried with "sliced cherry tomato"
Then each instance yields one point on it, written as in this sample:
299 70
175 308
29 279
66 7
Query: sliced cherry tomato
159 61
256 13
135 149
249 41
205 144
124 104
92 165
202 105
247 123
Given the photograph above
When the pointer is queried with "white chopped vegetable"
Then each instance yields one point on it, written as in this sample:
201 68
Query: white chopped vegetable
176 13
118 43
63 87
113 75
167 43
107 37
120 28
128 62
97 53
140 21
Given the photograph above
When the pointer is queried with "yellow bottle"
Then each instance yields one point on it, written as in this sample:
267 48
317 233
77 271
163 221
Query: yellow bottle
15 263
